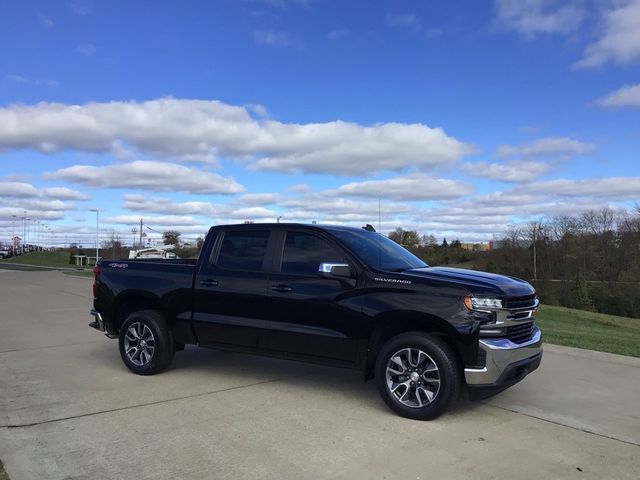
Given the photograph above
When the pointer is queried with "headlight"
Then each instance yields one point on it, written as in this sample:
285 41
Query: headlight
478 303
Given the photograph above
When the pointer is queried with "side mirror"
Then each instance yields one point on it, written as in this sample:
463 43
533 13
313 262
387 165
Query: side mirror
335 270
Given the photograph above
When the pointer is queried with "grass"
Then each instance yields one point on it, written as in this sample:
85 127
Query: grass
45 259
590 330
24 268
82 273
3 474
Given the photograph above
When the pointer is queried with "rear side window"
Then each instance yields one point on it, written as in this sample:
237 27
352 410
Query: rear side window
304 252
243 250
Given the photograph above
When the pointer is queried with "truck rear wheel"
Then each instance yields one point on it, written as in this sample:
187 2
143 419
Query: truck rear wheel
417 375
146 344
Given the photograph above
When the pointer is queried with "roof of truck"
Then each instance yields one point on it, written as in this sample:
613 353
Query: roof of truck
318 226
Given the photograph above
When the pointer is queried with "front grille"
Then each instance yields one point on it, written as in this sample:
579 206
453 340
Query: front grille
520 302
521 315
520 333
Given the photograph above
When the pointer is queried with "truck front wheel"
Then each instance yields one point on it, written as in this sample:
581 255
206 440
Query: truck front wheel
417 375
146 344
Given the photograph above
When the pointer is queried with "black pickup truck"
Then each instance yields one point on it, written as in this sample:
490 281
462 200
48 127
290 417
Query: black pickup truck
334 295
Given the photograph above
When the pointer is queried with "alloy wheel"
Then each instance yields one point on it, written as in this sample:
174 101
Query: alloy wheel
413 378
139 344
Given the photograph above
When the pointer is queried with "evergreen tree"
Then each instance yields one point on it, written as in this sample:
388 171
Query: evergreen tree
581 294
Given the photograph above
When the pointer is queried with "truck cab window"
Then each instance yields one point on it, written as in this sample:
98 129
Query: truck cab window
304 252
243 250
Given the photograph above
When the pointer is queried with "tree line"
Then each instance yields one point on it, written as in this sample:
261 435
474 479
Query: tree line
589 261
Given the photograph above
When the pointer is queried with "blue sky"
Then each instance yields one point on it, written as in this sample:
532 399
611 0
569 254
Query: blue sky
461 117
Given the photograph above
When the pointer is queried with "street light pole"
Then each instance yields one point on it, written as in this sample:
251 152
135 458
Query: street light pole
13 234
97 230
24 228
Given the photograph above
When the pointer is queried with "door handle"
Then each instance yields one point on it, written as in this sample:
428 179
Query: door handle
281 288
209 282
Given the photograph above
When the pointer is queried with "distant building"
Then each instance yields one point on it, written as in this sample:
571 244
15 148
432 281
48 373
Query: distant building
477 247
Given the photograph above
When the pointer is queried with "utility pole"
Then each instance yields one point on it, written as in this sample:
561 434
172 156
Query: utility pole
141 246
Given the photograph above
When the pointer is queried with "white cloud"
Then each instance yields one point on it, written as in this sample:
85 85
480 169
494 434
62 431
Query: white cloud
620 37
27 80
7 213
37 204
87 49
64 193
338 33
199 130
259 198
175 220
220 212
141 203
17 189
299 188
148 175
611 187
45 19
286 3
626 96
328 205
547 147
25 190
433 32
516 171
414 187
350 149
531 17
276 38
258 109
79 8
409 21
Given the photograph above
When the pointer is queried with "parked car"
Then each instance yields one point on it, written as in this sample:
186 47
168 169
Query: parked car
339 296
5 253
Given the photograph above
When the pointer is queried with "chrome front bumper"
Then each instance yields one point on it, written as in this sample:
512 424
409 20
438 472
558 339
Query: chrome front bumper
506 362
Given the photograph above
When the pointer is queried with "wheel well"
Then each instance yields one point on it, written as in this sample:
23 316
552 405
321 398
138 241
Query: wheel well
132 304
391 325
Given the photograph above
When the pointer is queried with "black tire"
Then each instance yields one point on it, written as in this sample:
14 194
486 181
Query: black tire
152 357
407 401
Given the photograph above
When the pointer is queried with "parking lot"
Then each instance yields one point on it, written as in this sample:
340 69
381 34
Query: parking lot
70 409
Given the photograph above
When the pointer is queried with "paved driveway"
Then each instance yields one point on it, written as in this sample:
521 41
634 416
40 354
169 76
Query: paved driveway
70 409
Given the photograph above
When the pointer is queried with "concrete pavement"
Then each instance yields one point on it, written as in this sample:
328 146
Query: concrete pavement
70 409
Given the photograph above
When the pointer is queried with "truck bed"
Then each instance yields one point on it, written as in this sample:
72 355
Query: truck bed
170 280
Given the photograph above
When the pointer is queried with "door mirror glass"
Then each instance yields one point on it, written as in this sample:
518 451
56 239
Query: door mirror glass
327 269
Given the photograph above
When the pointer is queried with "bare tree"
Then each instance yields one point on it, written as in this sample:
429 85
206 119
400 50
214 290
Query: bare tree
171 237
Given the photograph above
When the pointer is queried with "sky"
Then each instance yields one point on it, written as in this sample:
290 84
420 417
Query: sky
452 118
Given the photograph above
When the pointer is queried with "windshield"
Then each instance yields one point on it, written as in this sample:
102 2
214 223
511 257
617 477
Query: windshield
378 251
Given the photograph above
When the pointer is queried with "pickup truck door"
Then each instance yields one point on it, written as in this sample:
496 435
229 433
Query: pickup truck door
230 291
310 315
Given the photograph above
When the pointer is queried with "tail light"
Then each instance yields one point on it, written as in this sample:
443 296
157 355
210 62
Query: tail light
96 272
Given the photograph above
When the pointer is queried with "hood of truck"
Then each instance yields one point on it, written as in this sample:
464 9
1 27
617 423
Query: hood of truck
476 282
